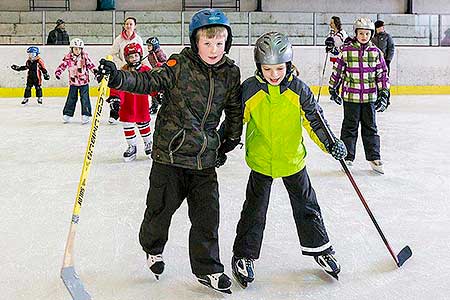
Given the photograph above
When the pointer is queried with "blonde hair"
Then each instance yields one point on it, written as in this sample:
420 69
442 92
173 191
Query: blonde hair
211 32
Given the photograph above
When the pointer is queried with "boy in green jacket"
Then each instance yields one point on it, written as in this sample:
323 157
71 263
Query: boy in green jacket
276 105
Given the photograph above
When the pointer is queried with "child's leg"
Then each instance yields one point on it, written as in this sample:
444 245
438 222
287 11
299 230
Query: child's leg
27 92
130 134
166 193
369 132
145 132
38 90
349 130
86 109
71 102
203 210
308 218
250 229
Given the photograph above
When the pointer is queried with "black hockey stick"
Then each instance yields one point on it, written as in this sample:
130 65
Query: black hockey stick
406 252
323 75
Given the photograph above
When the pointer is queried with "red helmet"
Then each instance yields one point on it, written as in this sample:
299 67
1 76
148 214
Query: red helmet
133 48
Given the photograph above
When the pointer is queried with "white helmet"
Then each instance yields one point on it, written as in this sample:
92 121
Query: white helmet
77 43
364 23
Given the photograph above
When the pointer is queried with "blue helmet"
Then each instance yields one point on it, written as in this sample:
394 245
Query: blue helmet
205 18
34 50
153 41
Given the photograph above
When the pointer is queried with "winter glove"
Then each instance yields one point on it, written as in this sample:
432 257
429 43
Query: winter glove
329 44
114 103
221 159
46 76
107 67
15 67
338 150
382 100
334 96
58 76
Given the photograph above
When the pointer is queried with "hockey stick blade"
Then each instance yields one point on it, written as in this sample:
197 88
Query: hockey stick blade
73 284
403 256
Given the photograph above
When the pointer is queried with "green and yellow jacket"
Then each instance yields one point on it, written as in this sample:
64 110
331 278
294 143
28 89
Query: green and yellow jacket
274 116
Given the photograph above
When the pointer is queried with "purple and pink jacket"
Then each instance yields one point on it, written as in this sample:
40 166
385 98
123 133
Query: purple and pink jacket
361 72
78 68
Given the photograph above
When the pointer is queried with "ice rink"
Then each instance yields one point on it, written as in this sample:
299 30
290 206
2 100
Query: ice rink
41 161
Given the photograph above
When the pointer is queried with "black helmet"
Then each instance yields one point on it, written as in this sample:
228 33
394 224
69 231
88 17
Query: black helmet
153 41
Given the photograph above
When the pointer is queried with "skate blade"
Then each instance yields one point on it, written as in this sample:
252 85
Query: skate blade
128 159
242 284
73 284
157 277
225 291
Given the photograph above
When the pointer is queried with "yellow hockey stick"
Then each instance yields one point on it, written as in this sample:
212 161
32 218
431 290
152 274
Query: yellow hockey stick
68 274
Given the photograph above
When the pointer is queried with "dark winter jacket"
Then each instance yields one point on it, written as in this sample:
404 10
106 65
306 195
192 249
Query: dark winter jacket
58 36
195 94
35 69
385 43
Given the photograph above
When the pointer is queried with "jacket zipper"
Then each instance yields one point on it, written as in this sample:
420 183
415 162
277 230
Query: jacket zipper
202 125
171 152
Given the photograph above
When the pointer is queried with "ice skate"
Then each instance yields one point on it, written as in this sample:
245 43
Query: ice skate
39 100
112 121
218 281
148 148
243 270
130 153
329 264
66 119
85 119
349 165
156 264
25 101
377 166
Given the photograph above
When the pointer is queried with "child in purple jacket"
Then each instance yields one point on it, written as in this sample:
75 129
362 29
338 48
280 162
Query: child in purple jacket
361 71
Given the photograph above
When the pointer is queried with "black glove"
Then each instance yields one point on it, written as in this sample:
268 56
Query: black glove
382 100
107 67
338 150
329 44
15 67
114 103
46 76
221 159
334 96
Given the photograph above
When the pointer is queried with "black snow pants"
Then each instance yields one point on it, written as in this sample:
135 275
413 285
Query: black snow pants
169 186
308 218
364 113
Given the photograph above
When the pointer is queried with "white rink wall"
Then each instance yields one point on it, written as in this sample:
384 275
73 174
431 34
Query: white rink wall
412 66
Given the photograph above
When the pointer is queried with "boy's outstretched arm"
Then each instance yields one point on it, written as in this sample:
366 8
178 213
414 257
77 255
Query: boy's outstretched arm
139 83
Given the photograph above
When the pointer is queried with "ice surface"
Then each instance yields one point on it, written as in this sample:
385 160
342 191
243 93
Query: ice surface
41 161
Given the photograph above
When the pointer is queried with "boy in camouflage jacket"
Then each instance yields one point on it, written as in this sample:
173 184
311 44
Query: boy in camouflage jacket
361 70
198 83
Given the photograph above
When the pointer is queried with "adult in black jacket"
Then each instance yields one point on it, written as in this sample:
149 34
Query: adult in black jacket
384 42
59 35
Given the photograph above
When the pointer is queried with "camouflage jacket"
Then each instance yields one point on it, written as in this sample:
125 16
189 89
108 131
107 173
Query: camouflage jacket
195 94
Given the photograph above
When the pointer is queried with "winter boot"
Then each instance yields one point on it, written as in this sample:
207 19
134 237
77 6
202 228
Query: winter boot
39 100
156 264
377 166
243 270
218 281
329 264
25 101
148 148
130 153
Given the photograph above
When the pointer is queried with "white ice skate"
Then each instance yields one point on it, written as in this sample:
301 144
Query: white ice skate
217 281
130 153
85 119
148 148
377 166
329 264
66 119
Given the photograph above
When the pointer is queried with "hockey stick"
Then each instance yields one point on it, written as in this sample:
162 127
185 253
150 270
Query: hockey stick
68 274
323 75
406 252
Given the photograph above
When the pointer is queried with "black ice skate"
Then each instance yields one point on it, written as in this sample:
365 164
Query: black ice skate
156 264
148 148
218 281
243 270
154 108
329 264
24 101
130 153
39 100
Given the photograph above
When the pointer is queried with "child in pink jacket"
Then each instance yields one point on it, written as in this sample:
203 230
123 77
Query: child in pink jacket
78 64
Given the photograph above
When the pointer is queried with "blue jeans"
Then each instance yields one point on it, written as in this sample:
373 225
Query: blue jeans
72 98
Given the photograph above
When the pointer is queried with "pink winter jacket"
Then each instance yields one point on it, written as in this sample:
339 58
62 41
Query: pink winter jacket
78 67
